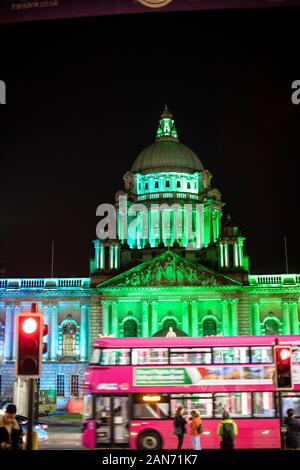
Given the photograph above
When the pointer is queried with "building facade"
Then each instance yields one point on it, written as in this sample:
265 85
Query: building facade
173 260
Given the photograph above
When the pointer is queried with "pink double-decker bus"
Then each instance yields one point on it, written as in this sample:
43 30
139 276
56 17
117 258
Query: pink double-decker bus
134 386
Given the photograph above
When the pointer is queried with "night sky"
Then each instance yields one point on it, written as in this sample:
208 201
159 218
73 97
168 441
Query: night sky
84 97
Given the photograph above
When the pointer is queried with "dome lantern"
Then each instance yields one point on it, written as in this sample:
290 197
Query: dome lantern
166 128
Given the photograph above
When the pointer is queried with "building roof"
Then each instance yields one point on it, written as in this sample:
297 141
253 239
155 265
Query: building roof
167 153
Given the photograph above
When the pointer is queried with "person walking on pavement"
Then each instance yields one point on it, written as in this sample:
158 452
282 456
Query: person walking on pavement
227 432
179 426
293 431
10 430
195 430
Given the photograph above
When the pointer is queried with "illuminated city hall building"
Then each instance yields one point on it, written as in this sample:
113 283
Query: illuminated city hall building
152 275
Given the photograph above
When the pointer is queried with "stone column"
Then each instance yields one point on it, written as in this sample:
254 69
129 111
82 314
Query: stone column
286 326
83 333
154 326
115 319
255 317
54 328
195 331
185 316
225 318
97 251
46 338
294 318
145 318
234 317
105 314
226 255
8 333
14 332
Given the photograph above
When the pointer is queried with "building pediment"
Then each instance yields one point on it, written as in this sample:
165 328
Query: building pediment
169 269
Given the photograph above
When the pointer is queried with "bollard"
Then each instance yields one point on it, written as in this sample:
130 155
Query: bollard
35 444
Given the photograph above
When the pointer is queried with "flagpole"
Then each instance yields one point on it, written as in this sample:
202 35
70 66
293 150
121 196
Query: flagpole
52 260
286 256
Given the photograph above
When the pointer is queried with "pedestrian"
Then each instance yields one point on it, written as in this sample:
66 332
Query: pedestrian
227 432
10 430
195 430
293 431
179 426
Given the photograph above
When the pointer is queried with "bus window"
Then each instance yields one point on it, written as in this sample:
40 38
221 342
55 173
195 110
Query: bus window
143 356
95 356
202 403
151 410
238 404
291 400
261 354
296 354
190 356
263 404
114 357
231 355
87 412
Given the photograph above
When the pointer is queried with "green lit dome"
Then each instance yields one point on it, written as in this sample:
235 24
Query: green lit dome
167 156
167 153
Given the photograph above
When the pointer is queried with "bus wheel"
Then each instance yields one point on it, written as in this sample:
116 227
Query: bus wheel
149 440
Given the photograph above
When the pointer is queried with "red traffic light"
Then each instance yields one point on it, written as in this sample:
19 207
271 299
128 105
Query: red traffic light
29 325
284 354
283 368
28 344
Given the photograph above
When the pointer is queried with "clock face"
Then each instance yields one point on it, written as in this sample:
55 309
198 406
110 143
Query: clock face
155 3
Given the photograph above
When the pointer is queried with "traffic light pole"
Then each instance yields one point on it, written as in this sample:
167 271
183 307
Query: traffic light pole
281 420
30 413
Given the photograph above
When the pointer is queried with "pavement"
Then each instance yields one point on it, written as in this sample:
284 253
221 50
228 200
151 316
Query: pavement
63 434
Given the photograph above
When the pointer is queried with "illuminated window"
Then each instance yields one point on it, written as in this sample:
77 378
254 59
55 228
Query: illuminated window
143 356
60 385
74 385
238 404
130 328
200 402
68 338
209 327
115 357
231 355
271 327
263 404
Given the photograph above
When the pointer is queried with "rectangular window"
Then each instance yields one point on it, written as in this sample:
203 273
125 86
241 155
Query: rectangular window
261 354
202 403
95 356
167 184
60 385
151 410
291 400
296 354
143 356
263 405
115 357
190 356
231 355
74 385
238 404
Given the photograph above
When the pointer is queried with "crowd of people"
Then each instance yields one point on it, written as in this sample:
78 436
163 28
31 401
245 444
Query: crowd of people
227 430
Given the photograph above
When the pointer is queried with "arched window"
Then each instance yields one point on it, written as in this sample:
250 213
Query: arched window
209 327
130 328
271 327
69 337
169 322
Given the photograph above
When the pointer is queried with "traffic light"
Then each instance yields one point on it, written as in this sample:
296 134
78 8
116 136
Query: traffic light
283 367
45 332
29 344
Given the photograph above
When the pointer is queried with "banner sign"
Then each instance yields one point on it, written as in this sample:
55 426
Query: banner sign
30 10
206 375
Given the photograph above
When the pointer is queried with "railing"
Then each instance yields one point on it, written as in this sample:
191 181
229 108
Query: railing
168 195
46 283
274 280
